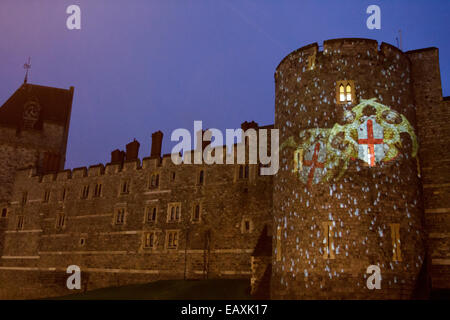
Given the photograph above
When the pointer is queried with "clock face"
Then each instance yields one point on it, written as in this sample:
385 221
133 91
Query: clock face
31 112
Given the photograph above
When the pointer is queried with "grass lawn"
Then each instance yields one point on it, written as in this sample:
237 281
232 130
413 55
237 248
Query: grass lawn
223 289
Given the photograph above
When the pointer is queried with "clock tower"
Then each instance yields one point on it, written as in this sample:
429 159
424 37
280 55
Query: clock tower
34 126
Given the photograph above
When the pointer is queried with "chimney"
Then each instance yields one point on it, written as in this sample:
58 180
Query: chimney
132 150
249 125
117 156
156 144
245 139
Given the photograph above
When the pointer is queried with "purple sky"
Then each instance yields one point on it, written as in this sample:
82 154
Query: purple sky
139 65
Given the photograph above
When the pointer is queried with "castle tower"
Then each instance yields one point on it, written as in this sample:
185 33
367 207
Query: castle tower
347 195
34 126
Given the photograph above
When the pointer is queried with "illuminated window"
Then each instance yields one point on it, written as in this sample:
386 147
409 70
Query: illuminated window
150 240
172 239
328 240
174 212
341 93
119 217
348 91
20 222
345 91
395 235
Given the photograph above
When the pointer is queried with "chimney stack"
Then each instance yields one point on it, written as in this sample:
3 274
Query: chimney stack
117 156
156 144
249 125
245 126
132 150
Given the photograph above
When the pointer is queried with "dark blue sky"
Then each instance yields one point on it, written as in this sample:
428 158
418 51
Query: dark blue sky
139 65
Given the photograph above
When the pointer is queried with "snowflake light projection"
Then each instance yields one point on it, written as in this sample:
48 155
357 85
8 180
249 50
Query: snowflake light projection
371 132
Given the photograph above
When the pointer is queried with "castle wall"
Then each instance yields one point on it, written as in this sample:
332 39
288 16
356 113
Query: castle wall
433 113
326 228
310 261
114 254
20 149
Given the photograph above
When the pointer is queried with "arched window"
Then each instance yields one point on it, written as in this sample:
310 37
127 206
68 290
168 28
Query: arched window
345 91
348 90
341 93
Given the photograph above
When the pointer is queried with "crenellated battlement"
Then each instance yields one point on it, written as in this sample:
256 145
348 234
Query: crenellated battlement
120 164
344 47
109 169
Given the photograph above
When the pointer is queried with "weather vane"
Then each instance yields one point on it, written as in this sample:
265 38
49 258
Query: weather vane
27 66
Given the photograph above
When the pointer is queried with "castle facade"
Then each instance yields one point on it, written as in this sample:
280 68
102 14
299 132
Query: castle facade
364 181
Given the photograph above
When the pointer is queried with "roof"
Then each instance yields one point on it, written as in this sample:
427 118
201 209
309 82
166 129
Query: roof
55 105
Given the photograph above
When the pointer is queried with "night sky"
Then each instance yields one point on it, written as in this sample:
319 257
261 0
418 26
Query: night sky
139 66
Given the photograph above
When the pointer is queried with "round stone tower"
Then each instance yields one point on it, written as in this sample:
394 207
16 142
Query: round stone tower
347 196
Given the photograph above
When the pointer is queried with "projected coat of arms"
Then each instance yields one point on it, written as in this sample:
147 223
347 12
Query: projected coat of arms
324 154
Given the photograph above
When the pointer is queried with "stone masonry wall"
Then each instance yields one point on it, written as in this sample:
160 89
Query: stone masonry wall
21 149
219 245
433 114
359 206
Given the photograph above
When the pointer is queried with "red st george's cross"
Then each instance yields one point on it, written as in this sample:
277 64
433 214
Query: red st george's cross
313 163
371 142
